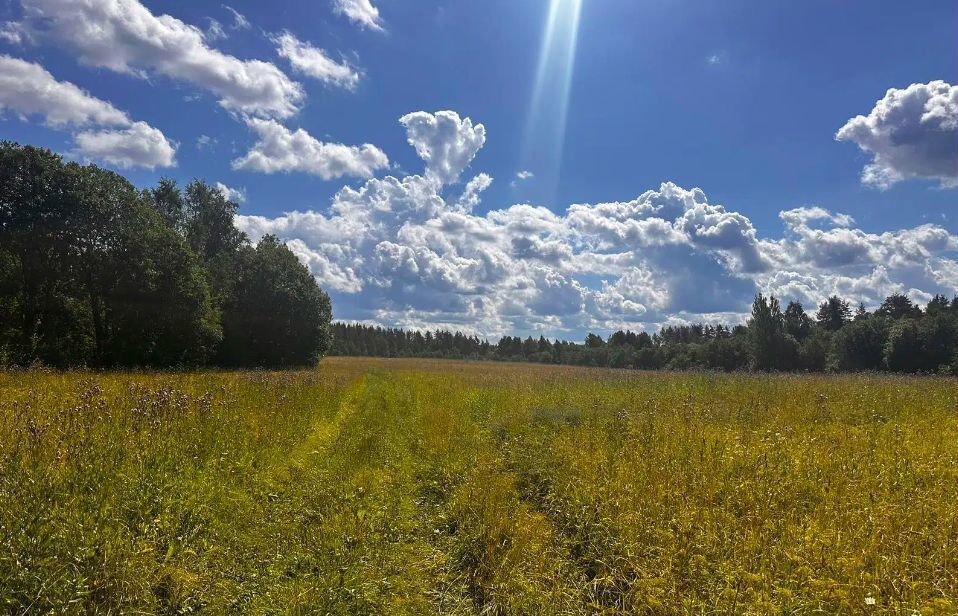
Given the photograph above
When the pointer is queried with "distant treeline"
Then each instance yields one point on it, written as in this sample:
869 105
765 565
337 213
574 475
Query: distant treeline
94 272
899 336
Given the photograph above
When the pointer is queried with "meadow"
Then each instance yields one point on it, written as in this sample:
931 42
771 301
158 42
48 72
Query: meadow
440 487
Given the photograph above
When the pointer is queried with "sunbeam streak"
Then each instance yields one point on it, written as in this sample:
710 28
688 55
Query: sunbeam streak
549 109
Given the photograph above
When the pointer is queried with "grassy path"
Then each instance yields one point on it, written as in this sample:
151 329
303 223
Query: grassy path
499 553
405 506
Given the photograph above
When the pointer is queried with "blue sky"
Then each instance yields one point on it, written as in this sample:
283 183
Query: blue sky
741 99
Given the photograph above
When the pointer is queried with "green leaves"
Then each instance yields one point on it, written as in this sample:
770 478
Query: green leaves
94 272
275 313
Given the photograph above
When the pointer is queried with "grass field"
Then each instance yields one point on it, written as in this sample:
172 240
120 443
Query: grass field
416 487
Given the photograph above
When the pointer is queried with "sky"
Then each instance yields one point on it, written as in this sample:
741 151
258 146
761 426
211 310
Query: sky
538 167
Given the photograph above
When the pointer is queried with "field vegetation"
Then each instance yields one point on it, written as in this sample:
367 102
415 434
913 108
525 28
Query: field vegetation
416 487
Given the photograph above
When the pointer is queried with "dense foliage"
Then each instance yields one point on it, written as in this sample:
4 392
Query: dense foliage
899 336
427 487
94 272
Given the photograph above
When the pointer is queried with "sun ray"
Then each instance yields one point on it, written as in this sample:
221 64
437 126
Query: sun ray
549 108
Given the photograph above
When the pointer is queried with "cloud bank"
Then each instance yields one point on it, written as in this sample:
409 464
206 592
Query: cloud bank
410 251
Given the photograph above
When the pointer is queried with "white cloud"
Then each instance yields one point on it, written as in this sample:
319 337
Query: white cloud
400 251
812 263
471 196
840 246
444 141
239 20
279 149
910 133
521 176
314 62
635 293
215 31
802 216
28 89
236 195
124 36
139 145
11 32
204 142
711 226
945 273
360 12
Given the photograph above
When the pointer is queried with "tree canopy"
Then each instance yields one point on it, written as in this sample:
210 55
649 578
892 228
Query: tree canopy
274 315
94 272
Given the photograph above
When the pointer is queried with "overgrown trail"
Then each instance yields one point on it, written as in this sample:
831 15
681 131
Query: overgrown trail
405 495
496 555
348 492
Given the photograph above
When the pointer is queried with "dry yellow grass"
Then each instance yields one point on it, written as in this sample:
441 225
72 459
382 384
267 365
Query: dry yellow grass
394 487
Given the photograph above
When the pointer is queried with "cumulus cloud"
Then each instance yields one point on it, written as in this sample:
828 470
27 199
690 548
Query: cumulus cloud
837 245
280 149
801 217
633 295
822 255
945 273
730 233
124 36
472 194
869 287
446 142
236 195
28 89
139 145
403 251
314 62
910 133
360 12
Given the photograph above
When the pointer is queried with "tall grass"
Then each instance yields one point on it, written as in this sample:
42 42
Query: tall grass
415 487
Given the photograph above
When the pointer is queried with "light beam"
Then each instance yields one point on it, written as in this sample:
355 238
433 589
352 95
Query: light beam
549 109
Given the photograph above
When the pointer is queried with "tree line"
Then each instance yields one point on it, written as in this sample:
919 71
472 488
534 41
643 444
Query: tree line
898 336
95 272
